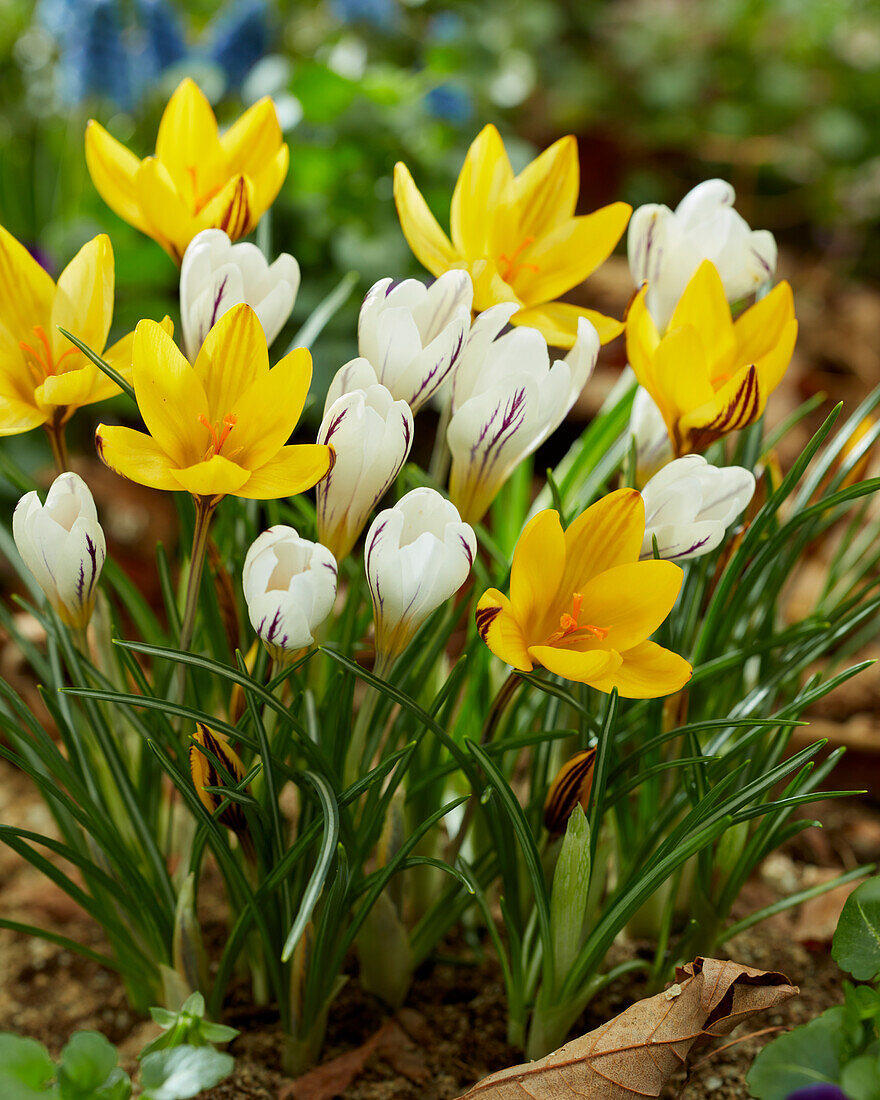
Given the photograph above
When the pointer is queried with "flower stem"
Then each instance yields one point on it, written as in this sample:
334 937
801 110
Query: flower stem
204 511
58 443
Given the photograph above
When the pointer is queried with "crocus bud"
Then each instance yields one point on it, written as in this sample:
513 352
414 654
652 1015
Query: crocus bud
356 374
205 773
417 555
289 587
371 434
507 399
216 275
665 248
62 544
413 334
689 505
571 787
648 429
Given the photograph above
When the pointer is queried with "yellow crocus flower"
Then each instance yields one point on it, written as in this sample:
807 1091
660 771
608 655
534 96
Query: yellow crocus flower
708 374
43 378
583 606
517 235
219 426
198 179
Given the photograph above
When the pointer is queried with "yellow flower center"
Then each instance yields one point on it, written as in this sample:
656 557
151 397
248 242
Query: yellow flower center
569 624
512 264
39 359
219 435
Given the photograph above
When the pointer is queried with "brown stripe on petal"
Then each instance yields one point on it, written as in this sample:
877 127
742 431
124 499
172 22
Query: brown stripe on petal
570 787
484 617
235 222
740 411
204 774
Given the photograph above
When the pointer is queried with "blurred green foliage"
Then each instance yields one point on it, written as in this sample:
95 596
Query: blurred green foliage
777 95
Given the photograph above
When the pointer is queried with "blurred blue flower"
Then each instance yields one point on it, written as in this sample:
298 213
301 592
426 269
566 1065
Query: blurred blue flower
93 60
239 38
450 102
446 26
164 41
818 1092
382 14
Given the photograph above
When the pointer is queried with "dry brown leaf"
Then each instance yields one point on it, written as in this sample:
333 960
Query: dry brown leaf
634 1054
332 1078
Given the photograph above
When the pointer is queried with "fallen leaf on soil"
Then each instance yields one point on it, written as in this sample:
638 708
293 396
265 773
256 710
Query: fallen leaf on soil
332 1078
634 1054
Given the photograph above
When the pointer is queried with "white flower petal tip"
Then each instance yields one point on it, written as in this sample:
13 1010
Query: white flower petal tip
690 504
413 334
290 588
507 398
371 434
62 544
216 275
666 247
417 555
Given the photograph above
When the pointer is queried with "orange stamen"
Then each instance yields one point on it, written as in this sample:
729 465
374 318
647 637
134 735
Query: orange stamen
512 267
39 359
568 623
218 438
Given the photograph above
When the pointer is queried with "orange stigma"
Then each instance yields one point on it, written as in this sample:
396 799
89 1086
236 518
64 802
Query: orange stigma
199 201
218 438
569 625
39 359
512 267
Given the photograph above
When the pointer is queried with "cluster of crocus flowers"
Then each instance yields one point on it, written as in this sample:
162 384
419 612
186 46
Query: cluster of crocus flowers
289 587
220 425
216 275
198 178
517 235
507 398
708 374
584 606
45 378
62 544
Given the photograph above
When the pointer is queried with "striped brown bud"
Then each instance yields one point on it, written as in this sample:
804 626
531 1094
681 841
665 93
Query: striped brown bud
206 774
570 787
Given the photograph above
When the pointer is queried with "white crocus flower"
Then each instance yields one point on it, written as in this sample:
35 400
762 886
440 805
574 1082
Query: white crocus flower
356 374
417 555
665 248
648 428
413 334
289 587
62 544
216 275
371 434
507 399
689 505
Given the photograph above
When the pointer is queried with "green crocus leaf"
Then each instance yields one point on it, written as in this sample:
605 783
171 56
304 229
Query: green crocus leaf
856 946
809 1055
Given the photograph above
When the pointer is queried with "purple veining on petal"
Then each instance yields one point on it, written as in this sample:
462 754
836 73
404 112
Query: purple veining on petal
93 554
467 550
488 447
406 435
368 560
273 627
218 298
766 267
442 367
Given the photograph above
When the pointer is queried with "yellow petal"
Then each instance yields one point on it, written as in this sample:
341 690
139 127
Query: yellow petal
631 601
167 218
187 143
760 328
737 404
267 182
252 140
558 322
113 169
485 174
213 478
546 191
647 672
489 288
681 375
119 355
772 366
135 456
429 244
642 341
563 258
607 534
293 470
233 357
232 209
26 290
169 394
538 562
75 388
498 627
703 305
582 667
17 416
268 411
84 299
